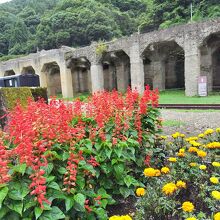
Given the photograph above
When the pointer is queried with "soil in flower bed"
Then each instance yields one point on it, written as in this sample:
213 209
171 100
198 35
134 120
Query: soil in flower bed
123 206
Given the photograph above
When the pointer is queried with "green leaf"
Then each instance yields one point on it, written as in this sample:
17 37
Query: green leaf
65 156
80 199
38 211
102 215
118 151
28 203
50 178
80 181
48 169
53 214
125 191
69 202
104 203
3 194
21 168
16 206
18 190
62 170
54 185
3 211
119 169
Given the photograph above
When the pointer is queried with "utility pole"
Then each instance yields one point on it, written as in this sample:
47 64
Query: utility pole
191 11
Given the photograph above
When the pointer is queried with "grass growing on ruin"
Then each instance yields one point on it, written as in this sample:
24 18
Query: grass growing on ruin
178 97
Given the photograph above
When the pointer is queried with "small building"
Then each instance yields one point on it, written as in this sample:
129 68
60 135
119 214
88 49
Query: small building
29 80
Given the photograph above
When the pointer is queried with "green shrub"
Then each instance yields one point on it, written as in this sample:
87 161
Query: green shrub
12 95
39 93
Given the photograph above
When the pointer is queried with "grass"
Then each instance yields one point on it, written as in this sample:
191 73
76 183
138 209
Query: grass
80 96
178 97
195 110
173 123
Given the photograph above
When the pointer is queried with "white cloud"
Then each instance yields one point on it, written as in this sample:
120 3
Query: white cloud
2 1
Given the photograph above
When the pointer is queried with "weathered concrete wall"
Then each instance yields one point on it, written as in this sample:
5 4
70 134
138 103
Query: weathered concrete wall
194 39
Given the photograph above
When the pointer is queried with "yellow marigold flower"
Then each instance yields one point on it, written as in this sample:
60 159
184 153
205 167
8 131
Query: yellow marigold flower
213 145
216 194
122 217
157 172
217 216
182 135
114 217
191 139
201 135
176 135
187 206
193 164
126 217
140 191
163 137
201 153
192 149
181 150
172 159
165 170
181 154
208 131
169 188
217 130
214 180
202 167
215 164
194 143
191 218
181 184
150 172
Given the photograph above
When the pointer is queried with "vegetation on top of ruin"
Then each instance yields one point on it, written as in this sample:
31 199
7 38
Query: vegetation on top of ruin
30 25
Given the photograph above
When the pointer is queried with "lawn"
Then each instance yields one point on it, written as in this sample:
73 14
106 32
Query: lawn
178 97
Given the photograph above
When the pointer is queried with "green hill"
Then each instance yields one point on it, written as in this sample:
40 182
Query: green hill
26 25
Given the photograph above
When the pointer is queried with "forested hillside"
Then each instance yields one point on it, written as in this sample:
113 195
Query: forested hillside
26 25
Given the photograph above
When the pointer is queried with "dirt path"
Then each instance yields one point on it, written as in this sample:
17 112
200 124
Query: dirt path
190 123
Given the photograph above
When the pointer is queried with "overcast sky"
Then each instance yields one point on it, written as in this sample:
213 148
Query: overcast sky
2 1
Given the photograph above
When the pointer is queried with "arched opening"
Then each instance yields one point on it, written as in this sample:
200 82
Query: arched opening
9 73
52 77
210 61
216 69
81 79
28 70
116 70
164 65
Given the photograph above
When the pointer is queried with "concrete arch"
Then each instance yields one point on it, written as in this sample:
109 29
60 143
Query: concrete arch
50 74
116 70
81 77
210 63
164 65
10 72
28 69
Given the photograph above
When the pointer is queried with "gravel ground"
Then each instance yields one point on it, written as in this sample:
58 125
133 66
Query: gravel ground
190 123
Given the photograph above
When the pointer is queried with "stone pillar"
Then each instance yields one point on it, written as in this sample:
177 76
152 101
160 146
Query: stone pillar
137 68
97 78
66 81
42 75
206 66
192 67
121 76
159 75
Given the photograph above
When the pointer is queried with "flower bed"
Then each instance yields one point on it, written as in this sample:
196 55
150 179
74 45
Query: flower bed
68 161
185 183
